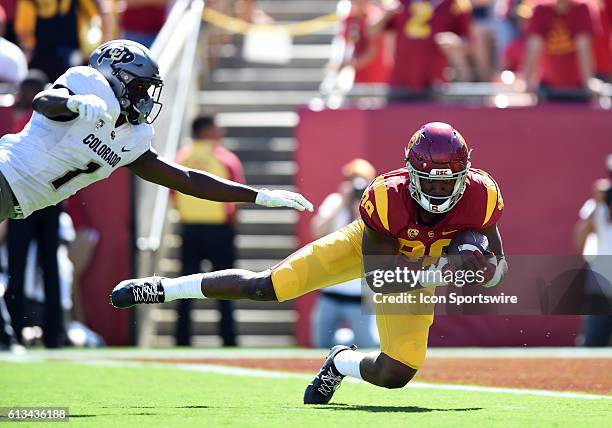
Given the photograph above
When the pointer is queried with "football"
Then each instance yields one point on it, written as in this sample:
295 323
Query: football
463 244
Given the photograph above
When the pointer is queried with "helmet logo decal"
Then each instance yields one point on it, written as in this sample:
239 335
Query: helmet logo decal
415 139
441 172
117 55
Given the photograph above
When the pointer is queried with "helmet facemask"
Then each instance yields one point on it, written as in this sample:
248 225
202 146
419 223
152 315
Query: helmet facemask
139 96
435 203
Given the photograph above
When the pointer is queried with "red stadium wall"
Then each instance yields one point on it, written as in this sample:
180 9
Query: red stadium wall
6 120
107 206
545 160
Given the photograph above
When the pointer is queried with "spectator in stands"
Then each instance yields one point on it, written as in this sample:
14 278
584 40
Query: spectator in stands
13 63
483 39
34 82
356 55
249 11
428 37
8 340
358 49
496 26
58 35
602 41
77 334
142 20
342 303
561 33
81 250
207 228
214 39
513 56
506 24
41 227
594 239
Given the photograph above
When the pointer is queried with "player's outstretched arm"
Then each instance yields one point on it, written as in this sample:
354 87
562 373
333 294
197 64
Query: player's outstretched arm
151 167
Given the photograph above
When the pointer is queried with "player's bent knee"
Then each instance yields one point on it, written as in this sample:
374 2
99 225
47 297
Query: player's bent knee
393 379
392 374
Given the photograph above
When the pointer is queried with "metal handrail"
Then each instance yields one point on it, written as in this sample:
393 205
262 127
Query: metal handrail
183 29
151 241
169 27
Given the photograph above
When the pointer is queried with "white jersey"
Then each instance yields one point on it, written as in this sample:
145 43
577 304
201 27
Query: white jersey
48 161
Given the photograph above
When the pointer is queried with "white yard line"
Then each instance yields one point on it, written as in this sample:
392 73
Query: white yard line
515 391
198 353
541 352
241 371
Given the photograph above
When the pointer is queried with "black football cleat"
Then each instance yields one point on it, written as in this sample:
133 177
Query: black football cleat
137 291
325 383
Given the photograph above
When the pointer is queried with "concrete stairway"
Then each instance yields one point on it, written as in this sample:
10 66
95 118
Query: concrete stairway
256 105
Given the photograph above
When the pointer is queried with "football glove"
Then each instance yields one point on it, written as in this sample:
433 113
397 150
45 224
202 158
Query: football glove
89 107
282 198
500 268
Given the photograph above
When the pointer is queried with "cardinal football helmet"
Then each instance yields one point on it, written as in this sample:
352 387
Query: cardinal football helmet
133 75
437 152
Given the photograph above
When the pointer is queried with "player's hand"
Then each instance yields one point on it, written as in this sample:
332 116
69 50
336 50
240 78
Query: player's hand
282 198
594 87
89 107
479 262
501 268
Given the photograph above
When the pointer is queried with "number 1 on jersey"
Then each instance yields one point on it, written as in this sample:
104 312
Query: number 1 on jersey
90 168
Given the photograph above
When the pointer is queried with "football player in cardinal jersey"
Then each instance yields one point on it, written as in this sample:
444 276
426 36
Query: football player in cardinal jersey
414 211
94 120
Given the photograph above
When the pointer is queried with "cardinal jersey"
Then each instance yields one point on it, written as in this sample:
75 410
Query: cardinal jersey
48 161
388 208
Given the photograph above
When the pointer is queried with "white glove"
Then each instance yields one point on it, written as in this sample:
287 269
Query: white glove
501 268
434 275
89 107
282 198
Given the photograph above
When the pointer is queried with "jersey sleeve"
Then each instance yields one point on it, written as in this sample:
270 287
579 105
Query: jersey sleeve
88 81
494 201
585 23
78 80
374 206
536 24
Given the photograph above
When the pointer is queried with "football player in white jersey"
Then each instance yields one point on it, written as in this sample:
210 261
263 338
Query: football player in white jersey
94 120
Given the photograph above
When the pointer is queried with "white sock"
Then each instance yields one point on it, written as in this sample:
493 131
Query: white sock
183 287
347 363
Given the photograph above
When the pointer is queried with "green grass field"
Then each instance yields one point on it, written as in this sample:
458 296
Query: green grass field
109 394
